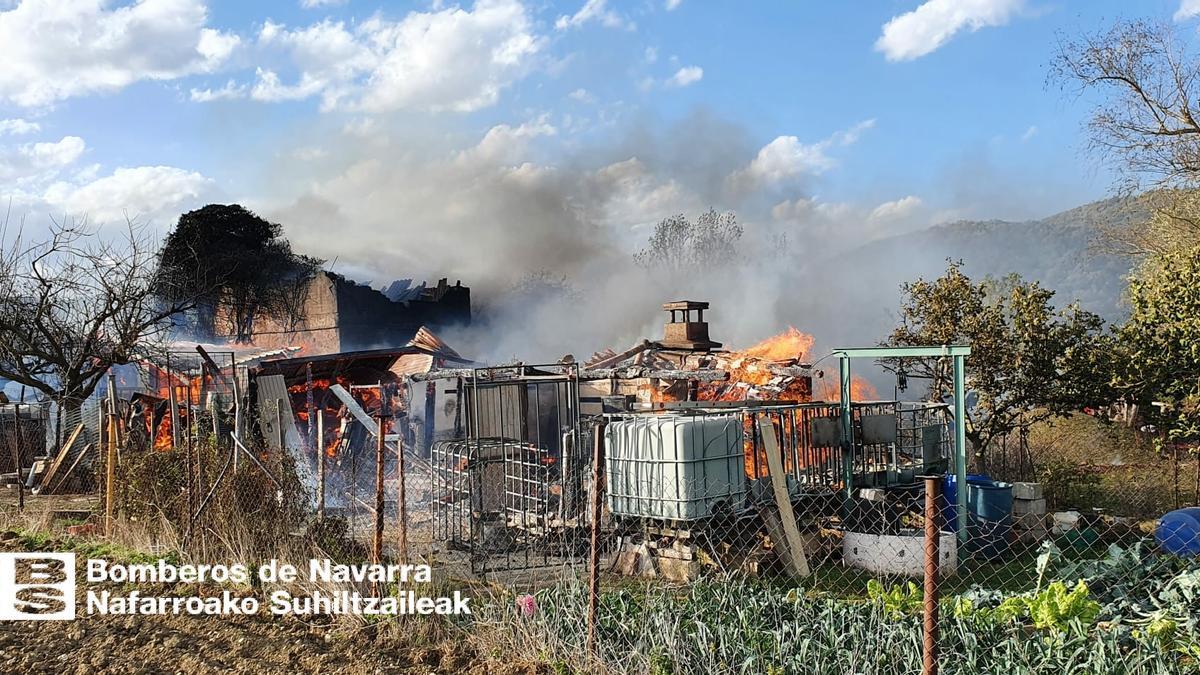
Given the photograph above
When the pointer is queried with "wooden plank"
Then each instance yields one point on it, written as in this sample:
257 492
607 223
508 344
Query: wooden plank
62 455
791 542
212 365
358 412
65 478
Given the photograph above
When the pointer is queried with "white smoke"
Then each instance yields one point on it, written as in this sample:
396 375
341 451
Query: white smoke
523 203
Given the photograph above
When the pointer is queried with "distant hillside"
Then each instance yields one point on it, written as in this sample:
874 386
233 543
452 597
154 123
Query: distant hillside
1057 251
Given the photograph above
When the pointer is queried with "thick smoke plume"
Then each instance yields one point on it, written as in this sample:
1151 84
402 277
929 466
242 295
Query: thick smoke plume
544 227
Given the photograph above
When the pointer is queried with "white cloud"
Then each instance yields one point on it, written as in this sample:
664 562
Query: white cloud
929 26
144 192
53 155
1188 9
594 10
581 95
268 88
314 4
506 145
309 154
18 126
651 54
56 49
450 59
1029 133
26 168
787 157
685 76
896 210
230 90
672 4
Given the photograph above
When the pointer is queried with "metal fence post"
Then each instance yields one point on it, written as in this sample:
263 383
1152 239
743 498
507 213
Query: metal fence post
932 536
594 553
15 439
401 502
377 544
110 475
320 445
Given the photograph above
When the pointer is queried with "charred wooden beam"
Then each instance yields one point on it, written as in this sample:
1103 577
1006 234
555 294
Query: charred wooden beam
617 358
789 371
625 373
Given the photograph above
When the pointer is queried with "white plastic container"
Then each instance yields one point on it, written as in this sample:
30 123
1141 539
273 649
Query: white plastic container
675 467
902 553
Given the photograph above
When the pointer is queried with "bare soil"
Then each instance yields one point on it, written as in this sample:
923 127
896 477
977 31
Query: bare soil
241 644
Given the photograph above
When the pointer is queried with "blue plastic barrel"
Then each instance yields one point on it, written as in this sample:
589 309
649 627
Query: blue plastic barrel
1178 532
950 496
989 508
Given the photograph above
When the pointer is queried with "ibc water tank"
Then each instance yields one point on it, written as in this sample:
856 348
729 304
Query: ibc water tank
675 467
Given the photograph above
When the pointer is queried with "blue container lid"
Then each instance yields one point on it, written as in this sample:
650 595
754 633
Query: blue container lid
1178 532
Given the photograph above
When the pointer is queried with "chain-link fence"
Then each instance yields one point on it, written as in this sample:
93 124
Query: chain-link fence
661 510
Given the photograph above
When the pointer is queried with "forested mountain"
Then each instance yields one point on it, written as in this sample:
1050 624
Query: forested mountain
1060 251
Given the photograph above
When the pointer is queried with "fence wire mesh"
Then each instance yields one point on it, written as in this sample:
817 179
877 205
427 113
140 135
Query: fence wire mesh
685 503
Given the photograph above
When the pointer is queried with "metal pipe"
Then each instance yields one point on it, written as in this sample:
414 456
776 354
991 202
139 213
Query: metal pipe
932 535
960 446
377 547
15 439
110 476
401 503
320 445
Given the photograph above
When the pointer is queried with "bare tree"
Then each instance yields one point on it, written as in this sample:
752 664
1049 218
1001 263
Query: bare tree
678 244
72 305
1150 84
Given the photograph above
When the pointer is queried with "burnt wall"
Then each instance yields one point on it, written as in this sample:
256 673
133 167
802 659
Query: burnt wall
368 319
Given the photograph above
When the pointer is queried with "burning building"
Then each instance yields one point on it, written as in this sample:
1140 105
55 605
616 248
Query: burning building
687 365
337 314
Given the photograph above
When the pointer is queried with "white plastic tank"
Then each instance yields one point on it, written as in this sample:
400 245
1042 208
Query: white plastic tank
675 467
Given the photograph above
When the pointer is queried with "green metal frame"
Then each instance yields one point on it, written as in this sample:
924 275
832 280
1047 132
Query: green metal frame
957 352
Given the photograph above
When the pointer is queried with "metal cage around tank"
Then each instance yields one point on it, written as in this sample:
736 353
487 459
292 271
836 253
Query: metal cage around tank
510 493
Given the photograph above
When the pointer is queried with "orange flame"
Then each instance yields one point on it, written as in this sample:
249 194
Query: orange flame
860 390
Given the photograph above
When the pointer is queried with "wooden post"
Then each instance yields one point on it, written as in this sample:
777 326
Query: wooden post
594 552
110 475
932 537
321 465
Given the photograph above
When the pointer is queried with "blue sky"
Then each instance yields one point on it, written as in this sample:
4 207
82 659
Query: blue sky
431 135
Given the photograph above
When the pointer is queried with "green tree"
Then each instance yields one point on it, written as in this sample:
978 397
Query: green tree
1161 341
236 266
1029 361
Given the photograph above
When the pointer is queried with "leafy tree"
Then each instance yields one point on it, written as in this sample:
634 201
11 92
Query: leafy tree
1029 361
679 245
73 305
237 266
1161 340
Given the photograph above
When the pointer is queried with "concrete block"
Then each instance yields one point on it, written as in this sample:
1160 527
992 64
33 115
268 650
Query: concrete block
1065 521
1022 506
1027 491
